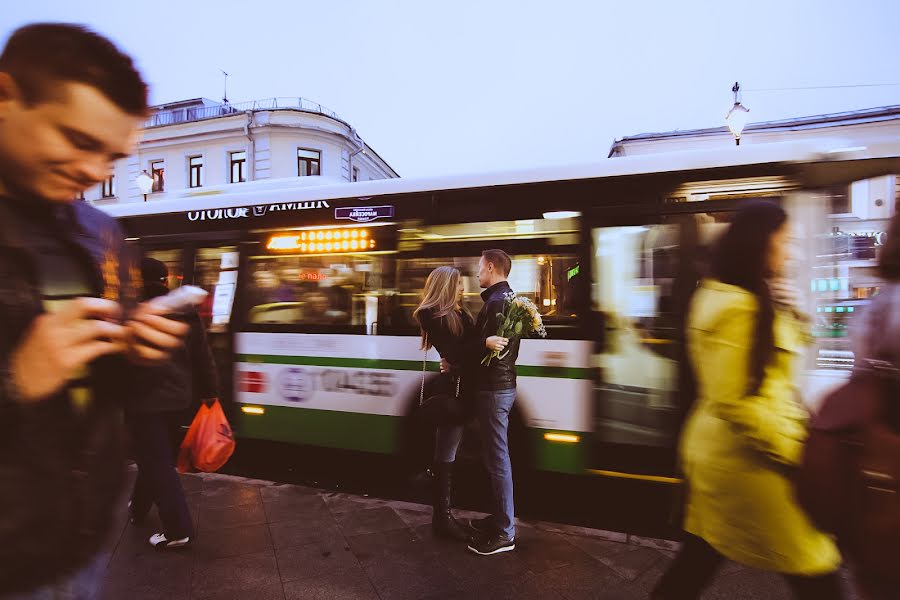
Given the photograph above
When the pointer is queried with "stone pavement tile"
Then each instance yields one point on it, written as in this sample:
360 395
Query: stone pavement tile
573 582
370 520
331 557
656 543
602 534
191 483
117 589
340 503
137 568
220 494
292 508
278 491
212 517
232 541
401 566
413 517
225 577
470 571
748 584
265 592
542 550
351 585
287 534
628 561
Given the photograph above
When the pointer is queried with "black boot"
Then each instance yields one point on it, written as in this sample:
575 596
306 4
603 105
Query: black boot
442 521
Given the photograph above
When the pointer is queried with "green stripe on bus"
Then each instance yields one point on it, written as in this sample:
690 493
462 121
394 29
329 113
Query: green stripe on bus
328 428
402 365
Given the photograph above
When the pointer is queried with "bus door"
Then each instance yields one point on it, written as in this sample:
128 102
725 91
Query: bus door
213 267
644 265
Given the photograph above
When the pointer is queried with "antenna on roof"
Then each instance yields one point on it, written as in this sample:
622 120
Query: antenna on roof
225 89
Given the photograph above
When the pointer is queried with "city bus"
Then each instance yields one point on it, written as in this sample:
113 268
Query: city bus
313 284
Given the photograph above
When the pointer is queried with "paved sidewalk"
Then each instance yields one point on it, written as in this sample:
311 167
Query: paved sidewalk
259 540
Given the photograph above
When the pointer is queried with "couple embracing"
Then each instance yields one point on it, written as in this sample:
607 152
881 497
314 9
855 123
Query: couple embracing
482 368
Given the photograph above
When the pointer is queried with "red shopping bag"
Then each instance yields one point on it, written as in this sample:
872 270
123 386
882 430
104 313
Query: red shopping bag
209 441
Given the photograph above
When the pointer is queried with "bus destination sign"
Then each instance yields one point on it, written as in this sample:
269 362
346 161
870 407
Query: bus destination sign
363 214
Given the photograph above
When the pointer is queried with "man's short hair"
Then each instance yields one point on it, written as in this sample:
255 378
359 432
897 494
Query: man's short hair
500 259
40 56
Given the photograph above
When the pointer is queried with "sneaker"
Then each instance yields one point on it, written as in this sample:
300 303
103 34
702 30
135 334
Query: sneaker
483 525
494 544
160 541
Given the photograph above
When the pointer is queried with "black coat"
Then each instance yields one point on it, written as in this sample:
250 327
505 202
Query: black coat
455 349
180 383
61 473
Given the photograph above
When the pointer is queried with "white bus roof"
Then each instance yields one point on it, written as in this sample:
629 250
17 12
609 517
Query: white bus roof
300 189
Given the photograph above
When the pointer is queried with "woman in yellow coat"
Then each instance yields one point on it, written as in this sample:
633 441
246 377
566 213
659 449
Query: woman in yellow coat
747 428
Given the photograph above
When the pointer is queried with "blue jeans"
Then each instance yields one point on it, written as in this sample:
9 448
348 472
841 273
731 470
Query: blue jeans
84 584
493 419
446 442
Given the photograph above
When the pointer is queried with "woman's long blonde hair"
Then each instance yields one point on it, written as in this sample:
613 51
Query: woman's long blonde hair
440 296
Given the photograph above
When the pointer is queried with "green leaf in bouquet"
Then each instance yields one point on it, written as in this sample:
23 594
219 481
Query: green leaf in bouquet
518 328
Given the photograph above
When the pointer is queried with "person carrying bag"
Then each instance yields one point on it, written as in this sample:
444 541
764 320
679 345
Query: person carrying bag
849 481
445 325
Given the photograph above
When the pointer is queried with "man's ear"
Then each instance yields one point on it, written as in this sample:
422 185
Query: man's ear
9 93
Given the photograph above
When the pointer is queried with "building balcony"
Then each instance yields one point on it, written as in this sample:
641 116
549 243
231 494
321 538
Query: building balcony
188 114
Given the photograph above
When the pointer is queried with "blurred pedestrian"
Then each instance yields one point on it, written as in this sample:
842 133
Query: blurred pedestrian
70 105
877 347
445 325
155 409
746 431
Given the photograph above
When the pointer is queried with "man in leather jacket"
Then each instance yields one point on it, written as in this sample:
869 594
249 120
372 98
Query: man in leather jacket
71 334
496 393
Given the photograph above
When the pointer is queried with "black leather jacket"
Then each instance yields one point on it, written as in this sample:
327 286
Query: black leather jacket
61 473
501 373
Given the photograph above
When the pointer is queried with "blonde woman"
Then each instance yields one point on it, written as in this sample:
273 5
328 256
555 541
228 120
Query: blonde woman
445 325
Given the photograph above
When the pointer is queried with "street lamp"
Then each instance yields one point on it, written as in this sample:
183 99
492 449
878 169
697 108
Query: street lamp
738 116
145 183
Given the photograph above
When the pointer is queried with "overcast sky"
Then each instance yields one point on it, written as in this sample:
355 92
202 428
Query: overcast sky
449 87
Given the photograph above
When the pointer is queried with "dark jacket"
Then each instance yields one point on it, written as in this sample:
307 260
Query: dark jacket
61 473
180 383
453 348
501 373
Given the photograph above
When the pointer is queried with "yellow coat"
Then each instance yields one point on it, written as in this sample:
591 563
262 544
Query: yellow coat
737 450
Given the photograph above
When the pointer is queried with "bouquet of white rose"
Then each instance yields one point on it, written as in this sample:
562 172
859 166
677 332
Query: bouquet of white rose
520 318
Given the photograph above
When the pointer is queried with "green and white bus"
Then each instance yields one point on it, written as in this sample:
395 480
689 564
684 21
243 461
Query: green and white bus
312 288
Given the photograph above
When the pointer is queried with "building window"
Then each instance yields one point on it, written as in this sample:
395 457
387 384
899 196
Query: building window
158 173
195 176
239 166
308 162
108 187
355 174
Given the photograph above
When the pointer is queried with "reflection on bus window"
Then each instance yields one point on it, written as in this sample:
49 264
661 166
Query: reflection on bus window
315 290
215 270
548 280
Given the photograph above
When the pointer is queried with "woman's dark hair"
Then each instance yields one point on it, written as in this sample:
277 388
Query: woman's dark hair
889 259
741 259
